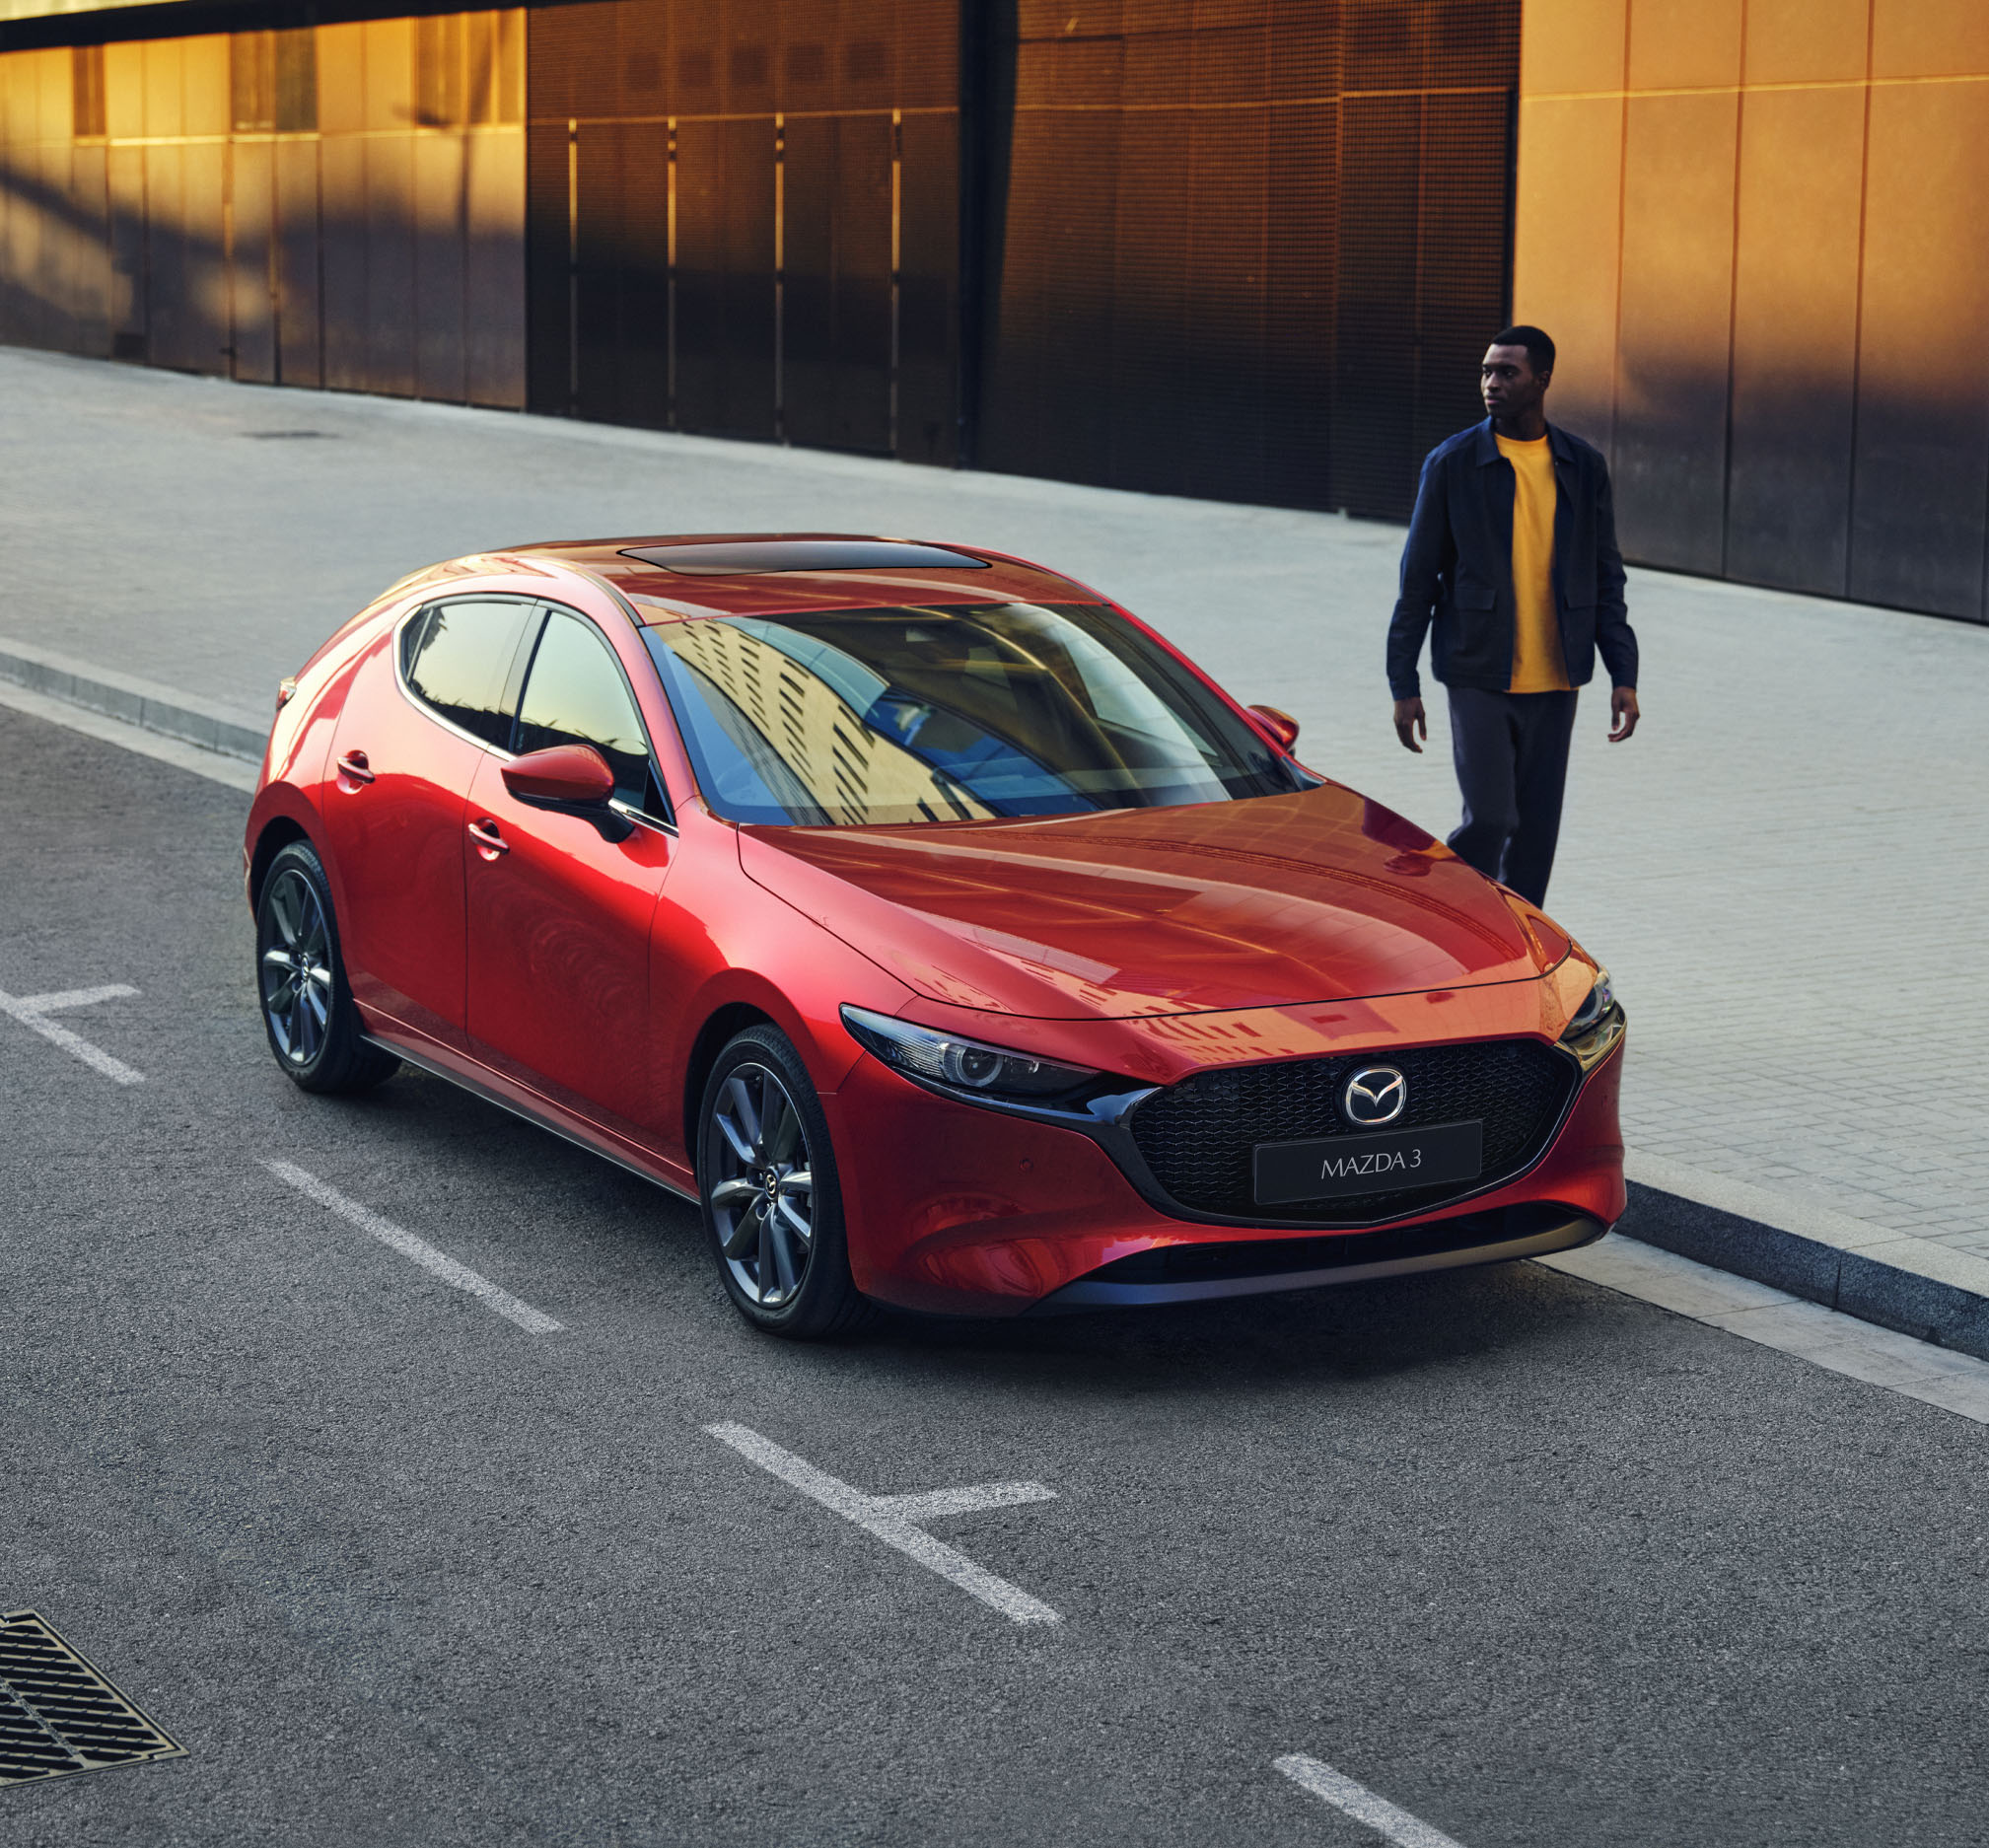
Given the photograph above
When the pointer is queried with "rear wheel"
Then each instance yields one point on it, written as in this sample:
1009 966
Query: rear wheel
306 1006
773 1208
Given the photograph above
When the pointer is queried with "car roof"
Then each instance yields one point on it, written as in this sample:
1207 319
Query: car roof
722 574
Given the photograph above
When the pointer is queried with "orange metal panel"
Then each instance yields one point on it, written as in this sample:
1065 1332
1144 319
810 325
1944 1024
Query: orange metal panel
1572 46
1930 38
1923 400
1794 336
124 90
1676 302
390 73
1684 43
203 85
165 109
1567 244
390 258
494 270
342 79
252 209
1807 40
439 204
298 352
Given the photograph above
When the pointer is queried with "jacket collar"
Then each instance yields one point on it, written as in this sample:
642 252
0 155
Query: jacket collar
1485 445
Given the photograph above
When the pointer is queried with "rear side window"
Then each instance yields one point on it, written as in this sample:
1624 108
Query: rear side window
575 694
456 656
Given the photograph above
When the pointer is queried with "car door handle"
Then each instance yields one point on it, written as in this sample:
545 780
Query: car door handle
489 842
354 765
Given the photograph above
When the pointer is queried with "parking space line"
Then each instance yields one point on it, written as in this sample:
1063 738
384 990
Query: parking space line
437 1264
32 1012
894 1518
1360 1803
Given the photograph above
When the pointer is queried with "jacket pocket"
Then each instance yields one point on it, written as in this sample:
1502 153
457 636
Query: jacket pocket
1473 593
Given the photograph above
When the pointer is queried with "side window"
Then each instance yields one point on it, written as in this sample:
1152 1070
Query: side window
574 695
457 655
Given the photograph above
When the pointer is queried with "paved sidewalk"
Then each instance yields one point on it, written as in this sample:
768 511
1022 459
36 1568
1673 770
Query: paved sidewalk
1785 870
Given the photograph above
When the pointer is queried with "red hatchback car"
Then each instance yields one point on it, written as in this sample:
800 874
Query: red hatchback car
923 915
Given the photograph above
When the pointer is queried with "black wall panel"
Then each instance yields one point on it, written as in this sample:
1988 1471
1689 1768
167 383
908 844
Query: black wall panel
1248 250
724 277
810 287
929 303
836 298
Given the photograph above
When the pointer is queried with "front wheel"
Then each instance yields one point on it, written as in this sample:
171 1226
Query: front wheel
773 1208
300 978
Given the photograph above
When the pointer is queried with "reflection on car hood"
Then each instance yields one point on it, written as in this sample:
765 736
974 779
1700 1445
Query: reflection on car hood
1316 897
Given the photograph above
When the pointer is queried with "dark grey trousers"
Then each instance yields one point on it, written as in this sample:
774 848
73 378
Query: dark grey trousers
1511 750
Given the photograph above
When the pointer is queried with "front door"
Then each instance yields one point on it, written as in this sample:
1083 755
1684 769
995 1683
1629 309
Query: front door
426 704
558 916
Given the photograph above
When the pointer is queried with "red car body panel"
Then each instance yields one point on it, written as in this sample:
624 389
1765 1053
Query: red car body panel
1214 905
587 982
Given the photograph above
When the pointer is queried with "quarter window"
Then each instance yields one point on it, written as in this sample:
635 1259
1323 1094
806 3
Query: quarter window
575 694
456 656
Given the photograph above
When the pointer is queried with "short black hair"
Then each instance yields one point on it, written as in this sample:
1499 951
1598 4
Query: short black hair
1539 349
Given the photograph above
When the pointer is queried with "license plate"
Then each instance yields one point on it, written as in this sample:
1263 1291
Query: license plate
1330 1166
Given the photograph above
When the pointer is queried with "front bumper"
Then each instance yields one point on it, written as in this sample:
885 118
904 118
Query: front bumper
954 1209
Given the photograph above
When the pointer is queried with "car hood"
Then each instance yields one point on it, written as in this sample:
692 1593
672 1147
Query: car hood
1314 897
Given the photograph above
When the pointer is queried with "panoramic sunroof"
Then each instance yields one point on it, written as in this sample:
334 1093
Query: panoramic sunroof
741 557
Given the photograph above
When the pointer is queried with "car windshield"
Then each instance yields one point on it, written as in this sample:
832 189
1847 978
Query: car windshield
880 716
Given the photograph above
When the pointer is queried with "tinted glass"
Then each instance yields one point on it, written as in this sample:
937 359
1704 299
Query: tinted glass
574 695
887 716
733 556
456 656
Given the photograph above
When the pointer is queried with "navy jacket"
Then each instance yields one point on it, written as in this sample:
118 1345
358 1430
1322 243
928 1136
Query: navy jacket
1457 568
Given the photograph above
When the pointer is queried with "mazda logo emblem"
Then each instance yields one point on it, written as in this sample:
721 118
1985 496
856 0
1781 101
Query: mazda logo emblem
1374 1094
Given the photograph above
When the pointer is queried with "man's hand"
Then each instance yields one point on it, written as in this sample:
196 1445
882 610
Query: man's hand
1410 723
1622 713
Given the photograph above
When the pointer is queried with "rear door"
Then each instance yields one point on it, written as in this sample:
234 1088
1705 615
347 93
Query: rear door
558 916
428 707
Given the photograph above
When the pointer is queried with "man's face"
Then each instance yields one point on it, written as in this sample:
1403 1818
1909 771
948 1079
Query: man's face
1508 383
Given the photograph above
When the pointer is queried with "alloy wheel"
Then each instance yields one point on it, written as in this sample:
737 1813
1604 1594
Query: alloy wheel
759 1187
296 968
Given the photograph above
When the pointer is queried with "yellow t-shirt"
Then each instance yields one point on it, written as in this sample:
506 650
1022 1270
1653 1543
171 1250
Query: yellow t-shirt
1538 664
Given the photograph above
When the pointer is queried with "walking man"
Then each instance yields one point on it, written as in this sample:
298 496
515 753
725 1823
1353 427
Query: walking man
1512 554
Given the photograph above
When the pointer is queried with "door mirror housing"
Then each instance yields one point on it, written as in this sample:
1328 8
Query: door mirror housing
570 779
1283 728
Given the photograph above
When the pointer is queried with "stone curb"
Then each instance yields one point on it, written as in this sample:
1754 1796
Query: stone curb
1872 1284
139 702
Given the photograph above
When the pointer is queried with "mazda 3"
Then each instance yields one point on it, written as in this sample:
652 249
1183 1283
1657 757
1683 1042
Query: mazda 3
926 918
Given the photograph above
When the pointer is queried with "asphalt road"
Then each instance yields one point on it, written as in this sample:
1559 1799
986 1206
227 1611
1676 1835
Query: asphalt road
1544 1565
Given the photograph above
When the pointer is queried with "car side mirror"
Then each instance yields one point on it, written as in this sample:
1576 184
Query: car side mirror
569 779
1281 724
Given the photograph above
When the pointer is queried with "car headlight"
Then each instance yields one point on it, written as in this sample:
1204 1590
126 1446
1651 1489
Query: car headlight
963 1065
1596 1026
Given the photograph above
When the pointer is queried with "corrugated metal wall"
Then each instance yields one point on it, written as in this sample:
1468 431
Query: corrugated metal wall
1246 249
1250 251
341 206
1755 231
745 218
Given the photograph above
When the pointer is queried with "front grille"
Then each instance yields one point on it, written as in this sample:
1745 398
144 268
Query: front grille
1196 1137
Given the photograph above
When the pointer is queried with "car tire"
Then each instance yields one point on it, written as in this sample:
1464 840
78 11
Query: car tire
307 1012
771 1201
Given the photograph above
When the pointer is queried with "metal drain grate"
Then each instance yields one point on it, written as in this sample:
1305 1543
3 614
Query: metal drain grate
59 1715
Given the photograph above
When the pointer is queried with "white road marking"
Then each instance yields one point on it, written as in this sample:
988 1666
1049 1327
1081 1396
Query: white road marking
1360 1803
1916 1370
437 1264
896 1519
32 1012
217 766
